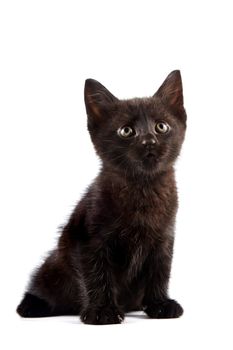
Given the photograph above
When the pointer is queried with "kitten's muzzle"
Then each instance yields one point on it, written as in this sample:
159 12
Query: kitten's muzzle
150 152
150 155
149 144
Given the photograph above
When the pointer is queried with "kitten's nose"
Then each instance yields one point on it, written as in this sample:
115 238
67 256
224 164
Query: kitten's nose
148 140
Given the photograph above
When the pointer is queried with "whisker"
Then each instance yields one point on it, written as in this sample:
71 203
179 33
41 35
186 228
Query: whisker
120 156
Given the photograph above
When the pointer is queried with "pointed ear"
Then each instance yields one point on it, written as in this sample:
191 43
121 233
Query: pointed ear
171 91
97 98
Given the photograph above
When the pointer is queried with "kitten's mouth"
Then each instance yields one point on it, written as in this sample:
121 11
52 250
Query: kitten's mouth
150 155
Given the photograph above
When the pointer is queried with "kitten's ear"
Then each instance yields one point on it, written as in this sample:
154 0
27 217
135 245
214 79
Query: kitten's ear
97 98
171 91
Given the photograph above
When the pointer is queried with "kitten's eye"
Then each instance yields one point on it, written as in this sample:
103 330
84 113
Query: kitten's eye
162 128
126 131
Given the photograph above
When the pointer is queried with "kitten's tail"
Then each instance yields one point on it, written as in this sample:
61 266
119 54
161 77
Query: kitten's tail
32 306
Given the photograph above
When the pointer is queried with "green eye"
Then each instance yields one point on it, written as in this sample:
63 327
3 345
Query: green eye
162 127
126 131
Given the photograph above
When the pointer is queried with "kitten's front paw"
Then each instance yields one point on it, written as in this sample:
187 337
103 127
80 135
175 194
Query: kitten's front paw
164 309
106 315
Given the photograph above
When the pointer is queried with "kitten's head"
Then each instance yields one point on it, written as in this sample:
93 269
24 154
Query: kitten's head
140 136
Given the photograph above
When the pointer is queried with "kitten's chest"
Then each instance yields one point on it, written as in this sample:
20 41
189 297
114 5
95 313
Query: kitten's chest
129 253
147 210
143 216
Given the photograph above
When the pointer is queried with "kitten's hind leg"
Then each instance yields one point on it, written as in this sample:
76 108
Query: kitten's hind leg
32 306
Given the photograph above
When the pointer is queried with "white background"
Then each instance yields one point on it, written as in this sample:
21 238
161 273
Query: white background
48 49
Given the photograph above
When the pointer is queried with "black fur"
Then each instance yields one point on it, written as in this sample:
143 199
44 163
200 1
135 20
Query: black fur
114 254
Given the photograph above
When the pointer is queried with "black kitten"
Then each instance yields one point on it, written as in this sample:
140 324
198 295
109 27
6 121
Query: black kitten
114 254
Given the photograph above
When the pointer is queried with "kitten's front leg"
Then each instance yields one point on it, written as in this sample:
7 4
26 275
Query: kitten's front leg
100 305
156 301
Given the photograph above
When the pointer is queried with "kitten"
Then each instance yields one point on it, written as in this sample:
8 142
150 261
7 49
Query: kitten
114 254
